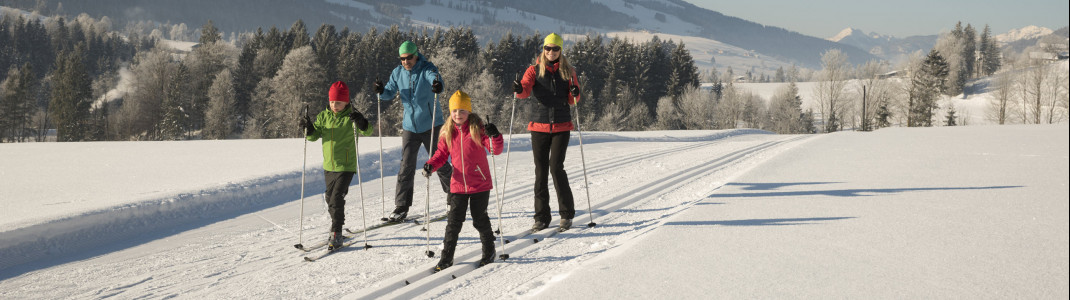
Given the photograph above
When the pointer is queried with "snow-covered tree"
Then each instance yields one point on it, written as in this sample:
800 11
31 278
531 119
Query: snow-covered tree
221 117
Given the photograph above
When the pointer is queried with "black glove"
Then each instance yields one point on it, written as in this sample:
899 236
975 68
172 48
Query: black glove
378 86
574 90
427 170
359 119
306 123
492 130
517 87
436 86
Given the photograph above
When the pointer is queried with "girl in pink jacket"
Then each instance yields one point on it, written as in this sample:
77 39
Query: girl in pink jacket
465 140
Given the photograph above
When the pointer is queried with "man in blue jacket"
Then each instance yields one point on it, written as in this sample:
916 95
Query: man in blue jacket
415 81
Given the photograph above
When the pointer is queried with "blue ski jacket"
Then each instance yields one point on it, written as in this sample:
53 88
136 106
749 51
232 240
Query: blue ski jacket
414 89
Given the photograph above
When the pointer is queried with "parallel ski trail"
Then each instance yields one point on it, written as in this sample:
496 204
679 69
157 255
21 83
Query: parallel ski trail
420 280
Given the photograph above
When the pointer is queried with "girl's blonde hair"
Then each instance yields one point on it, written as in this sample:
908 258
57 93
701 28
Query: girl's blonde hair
475 129
564 68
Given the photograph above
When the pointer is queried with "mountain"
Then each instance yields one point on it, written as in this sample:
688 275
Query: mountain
489 19
1030 32
885 46
1018 40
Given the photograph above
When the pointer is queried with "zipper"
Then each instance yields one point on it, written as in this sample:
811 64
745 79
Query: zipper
481 173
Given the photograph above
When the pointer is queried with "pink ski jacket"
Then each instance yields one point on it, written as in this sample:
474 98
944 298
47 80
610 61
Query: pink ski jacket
471 173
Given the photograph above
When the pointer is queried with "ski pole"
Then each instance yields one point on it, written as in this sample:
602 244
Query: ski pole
583 161
505 176
304 162
427 202
382 184
360 183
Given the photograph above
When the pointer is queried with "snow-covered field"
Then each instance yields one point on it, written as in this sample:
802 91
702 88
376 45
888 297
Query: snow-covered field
949 212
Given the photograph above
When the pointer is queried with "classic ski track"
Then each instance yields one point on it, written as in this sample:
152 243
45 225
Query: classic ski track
520 189
421 280
670 187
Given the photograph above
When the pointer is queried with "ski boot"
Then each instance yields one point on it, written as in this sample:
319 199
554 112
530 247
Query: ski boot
565 224
335 241
538 226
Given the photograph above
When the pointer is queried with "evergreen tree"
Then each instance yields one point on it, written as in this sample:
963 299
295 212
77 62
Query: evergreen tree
927 84
990 55
684 73
297 37
209 34
177 103
245 77
950 119
71 96
969 49
780 76
327 46
17 103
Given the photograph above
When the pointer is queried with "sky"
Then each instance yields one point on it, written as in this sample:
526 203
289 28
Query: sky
900 18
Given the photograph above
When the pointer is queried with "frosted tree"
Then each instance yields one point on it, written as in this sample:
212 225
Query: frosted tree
988 49
487 98
951 46
696 109
728 112
221 117
668 115
298 83
179 32
829 92
204 63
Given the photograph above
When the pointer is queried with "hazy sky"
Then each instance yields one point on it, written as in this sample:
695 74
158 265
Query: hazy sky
900 18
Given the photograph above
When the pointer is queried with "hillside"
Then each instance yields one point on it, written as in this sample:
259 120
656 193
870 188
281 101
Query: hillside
489 19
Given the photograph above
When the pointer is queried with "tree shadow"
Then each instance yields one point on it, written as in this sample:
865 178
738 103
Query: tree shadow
758 222
839 193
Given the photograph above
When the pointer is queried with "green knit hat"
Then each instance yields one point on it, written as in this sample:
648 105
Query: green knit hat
407 48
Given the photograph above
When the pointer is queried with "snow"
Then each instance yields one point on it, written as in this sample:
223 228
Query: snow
946 212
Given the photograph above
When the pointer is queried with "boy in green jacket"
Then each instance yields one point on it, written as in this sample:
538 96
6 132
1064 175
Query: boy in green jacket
337 125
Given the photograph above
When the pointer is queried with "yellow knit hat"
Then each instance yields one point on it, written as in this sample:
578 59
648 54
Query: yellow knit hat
555 39
460 100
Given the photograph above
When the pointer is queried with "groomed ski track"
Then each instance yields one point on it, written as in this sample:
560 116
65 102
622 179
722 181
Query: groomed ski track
666 175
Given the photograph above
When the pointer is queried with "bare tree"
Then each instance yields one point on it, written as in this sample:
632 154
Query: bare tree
873 89
1056 93
1002 96
830 88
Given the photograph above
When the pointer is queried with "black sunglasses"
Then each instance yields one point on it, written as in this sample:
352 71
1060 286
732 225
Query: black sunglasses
554 49
410 57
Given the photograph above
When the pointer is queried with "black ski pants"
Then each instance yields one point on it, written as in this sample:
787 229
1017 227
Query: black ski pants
549 151
337 188
458 204
410 147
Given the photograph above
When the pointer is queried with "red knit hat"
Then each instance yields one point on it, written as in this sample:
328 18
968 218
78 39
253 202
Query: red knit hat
339 92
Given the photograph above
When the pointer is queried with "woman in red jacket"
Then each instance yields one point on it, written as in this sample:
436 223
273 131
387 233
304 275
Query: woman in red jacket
553 83
465 141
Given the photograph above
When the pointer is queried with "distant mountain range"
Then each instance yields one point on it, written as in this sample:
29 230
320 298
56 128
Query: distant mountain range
896 49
